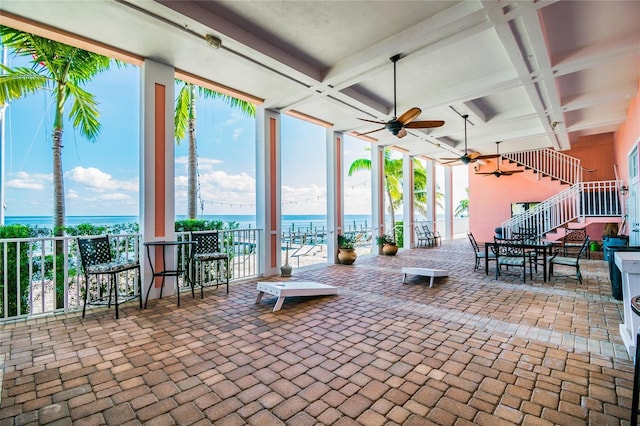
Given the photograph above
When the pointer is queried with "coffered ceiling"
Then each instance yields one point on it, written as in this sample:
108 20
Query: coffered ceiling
530 74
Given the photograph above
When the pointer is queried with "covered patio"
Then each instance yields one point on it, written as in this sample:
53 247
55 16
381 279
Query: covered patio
470 350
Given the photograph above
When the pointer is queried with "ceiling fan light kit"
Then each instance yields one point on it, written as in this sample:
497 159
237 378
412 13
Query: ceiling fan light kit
398 125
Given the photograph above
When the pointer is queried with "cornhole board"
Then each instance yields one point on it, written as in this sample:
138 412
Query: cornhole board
427 272
282 289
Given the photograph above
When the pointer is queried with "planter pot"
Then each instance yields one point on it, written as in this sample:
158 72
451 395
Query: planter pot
389 249
347 256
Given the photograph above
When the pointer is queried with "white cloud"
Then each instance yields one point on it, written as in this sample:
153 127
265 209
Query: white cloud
97 180
31 181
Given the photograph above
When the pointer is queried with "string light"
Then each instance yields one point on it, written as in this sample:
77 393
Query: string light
291 202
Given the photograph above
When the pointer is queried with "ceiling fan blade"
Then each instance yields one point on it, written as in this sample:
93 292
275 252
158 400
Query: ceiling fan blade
487 156
371 131
372 121
510 172
410 115
424 124
402 133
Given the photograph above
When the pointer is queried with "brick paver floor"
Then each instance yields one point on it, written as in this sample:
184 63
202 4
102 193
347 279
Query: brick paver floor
470 350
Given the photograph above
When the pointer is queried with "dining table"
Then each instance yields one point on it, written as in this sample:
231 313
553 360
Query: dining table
543 249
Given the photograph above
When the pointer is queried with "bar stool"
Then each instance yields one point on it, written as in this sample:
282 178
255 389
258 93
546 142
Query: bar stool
635 307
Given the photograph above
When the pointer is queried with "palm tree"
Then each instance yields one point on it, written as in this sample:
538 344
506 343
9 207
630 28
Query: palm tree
393 181
185 120
63 70
463 206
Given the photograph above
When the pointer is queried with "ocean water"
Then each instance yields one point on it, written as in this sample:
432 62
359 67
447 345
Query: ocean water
295 223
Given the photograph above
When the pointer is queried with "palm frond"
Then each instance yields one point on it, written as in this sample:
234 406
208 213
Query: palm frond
181 113
84 112
245 107
19 82
358 165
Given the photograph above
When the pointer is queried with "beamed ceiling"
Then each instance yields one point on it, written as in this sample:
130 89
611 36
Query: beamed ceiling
530 74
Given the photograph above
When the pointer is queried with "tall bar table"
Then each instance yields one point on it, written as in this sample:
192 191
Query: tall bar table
177 272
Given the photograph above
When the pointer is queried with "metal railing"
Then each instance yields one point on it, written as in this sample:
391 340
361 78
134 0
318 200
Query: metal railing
43 275
551 163
583 199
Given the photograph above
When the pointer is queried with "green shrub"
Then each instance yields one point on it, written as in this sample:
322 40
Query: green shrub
9 251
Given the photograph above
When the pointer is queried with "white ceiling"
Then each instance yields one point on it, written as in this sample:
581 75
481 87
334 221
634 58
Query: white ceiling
529 74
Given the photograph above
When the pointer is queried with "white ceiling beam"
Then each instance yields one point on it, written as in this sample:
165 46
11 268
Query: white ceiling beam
601 96
511 45
594 54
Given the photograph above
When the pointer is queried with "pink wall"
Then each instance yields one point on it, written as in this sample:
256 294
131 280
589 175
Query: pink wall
490 198
595 153
626 137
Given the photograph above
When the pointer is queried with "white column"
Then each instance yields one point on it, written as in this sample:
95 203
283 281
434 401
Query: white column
335 192
431 193
408 201
377 196
268 191
157 166
3 108
448 203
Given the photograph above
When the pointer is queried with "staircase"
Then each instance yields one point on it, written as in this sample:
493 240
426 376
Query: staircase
574 204
550 163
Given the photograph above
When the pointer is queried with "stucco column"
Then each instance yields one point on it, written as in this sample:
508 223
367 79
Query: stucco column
431 193
448 203
268 191
157 171
408 201
335 192
377 196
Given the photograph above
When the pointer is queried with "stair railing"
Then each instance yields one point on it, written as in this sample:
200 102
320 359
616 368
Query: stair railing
600 198
551 163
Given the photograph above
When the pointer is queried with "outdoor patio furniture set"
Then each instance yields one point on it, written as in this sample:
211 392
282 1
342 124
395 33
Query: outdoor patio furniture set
524 252
204 260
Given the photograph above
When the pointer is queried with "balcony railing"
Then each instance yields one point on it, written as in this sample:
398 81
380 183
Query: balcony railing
31 269
551 163
584 199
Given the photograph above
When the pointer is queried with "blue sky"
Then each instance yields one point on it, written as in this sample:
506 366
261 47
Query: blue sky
101 177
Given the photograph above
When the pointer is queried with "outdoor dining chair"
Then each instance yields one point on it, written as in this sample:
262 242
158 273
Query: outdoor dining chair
434 237
96 260
479 253
571 262
422 238
208 260
511 252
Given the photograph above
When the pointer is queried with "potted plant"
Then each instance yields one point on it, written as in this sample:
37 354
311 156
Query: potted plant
347 249
388 244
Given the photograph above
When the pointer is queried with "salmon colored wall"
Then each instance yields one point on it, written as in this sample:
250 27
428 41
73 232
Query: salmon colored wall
595 153
490 198
627 137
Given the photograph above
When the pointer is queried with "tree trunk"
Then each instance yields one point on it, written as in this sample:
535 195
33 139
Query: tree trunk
192 180
391 212
58 185
58 215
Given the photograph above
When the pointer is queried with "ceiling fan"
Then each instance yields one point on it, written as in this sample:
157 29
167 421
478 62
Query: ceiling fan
499 172
467 157
398 125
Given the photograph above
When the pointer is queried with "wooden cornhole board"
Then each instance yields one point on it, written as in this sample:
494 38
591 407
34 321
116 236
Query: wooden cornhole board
292 288
427 272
